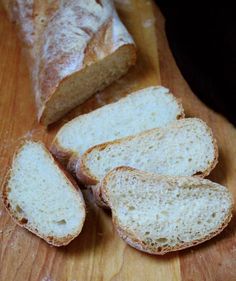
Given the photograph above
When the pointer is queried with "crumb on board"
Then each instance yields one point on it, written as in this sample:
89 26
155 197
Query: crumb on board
47 278
148 22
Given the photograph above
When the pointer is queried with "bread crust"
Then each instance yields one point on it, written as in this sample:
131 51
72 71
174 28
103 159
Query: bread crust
98 198
55 241
60 153
84 174
136 242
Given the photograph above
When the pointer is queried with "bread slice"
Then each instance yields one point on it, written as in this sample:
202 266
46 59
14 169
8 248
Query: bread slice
145 109
41 198
75 49
159 214
186 147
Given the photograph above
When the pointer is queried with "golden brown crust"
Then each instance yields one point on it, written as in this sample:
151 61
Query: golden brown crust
23 222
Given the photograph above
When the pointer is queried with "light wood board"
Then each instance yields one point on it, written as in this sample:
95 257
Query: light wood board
98 253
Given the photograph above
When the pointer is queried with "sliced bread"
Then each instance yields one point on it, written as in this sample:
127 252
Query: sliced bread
41 198
159 214
145 109
186 147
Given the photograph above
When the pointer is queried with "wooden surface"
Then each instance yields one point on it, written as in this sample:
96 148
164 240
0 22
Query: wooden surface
98 253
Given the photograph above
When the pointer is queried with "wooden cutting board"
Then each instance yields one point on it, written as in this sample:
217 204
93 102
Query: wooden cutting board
98 253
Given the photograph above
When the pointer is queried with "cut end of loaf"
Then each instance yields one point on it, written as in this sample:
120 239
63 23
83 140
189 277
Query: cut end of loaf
40 197
159 214
78 87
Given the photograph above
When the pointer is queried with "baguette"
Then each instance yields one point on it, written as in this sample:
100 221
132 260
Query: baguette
145 109
186 147
75 48
160 214
41 198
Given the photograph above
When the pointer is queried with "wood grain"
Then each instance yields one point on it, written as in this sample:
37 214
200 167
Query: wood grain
98 253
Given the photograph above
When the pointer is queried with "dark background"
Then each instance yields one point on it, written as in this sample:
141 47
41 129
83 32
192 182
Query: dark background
203 42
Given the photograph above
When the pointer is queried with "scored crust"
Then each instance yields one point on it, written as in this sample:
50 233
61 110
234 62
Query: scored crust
84 174
136 242
23 222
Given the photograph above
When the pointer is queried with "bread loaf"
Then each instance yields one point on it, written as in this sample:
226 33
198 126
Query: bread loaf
159 214
75 48
41 198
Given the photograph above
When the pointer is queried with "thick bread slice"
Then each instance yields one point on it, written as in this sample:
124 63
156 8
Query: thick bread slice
186 147
145 109
159 214
75 48
41 198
